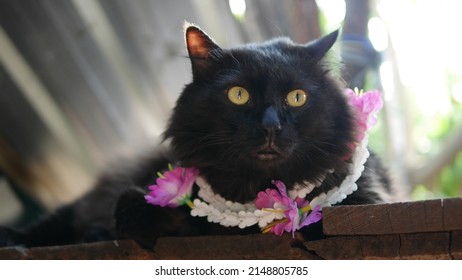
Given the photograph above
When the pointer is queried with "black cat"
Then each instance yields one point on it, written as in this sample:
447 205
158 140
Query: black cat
252 114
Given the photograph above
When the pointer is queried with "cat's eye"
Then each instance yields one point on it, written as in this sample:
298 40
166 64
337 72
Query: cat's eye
297 98
238 95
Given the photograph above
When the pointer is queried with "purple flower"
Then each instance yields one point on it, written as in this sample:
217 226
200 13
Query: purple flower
366 105
173 188
313 217
295 211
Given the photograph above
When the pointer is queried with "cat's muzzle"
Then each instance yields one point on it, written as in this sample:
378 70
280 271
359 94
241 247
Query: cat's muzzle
269 153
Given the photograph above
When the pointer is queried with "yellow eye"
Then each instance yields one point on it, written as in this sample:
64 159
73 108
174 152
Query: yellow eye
297 98
238 95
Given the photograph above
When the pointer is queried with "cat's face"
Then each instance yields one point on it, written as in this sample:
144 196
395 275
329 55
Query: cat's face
265 107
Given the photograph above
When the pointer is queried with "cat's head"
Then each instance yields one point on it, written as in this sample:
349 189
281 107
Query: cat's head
269 108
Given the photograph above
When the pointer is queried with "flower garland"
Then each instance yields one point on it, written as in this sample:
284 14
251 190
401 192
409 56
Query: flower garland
274 210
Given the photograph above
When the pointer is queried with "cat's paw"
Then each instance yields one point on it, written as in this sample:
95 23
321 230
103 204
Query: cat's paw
138 220
9 237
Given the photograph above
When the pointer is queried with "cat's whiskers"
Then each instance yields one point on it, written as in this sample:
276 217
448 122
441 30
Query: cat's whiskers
233 152
320 149
210 140
299 158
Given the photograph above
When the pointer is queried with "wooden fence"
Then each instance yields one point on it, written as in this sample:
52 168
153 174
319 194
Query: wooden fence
410 230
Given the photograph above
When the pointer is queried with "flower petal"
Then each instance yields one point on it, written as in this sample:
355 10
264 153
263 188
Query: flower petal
365 106
314 217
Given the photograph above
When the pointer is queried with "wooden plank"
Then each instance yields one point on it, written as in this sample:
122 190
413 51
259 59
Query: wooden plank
456 245
258 246
419 216
435 245
396 218
356 247
452 214
424 246
111 250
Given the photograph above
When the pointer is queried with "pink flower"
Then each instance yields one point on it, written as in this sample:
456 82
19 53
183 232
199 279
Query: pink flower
366 105
295 211
173 188
270 197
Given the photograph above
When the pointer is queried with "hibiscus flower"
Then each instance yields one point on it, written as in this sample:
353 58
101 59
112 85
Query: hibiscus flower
297 213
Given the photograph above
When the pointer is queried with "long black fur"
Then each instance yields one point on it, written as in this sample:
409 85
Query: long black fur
312 143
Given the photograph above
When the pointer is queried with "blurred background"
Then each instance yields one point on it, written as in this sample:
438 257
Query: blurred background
87 82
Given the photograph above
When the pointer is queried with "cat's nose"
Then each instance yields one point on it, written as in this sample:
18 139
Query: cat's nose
271 122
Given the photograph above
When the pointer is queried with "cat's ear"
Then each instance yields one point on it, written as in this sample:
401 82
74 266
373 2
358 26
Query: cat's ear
201 48
319 47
